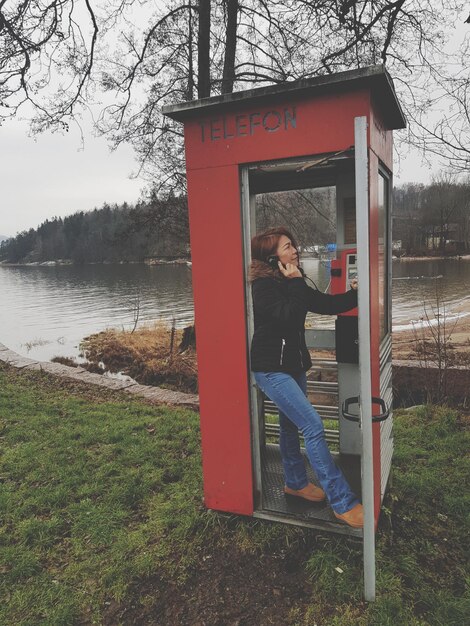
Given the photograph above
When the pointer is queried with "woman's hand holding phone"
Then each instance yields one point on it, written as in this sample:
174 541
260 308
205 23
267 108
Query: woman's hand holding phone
290 270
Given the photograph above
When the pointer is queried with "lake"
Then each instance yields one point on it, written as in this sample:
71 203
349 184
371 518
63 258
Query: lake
46 311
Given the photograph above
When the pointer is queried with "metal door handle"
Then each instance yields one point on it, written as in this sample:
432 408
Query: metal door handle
355 418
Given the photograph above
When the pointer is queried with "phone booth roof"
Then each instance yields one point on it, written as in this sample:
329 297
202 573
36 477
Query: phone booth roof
374 78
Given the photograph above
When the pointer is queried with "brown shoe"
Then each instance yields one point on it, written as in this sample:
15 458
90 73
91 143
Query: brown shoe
354 517
309 492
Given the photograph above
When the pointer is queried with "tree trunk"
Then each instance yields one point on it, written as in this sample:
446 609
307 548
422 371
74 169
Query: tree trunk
190 89
228 76
203 49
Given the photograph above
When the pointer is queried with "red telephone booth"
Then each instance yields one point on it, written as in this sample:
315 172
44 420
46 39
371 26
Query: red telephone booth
334 130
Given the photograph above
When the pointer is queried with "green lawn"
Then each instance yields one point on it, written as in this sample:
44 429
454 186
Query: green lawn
102 523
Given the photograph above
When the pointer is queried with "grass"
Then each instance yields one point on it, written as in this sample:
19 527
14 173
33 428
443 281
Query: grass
102 522
88 489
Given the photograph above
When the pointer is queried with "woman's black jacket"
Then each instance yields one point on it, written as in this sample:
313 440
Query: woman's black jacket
280 306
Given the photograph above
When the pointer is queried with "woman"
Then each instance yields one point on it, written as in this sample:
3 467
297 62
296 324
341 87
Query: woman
280 359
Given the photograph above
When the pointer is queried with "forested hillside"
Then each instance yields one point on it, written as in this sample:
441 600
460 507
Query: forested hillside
434 218
115 233
427 219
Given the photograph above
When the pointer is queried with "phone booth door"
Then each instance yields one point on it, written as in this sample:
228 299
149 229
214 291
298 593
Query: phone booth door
359 368
302 183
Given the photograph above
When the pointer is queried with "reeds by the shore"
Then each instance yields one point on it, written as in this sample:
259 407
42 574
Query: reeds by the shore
151 355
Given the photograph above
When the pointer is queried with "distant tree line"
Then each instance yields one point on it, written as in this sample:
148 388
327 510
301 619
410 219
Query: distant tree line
434 218
427 219
153 228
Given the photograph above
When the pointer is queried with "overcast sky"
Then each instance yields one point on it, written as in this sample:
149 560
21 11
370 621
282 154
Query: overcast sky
52 176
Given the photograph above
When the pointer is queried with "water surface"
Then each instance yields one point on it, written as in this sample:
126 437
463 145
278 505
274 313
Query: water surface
46 311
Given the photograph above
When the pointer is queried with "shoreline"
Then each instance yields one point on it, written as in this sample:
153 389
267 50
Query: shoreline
415 379
187 261
68 262
445 257
151 393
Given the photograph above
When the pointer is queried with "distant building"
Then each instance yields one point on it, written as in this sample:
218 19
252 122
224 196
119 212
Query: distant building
448 239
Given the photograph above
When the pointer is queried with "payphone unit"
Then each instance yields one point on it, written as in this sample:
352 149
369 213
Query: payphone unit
343 270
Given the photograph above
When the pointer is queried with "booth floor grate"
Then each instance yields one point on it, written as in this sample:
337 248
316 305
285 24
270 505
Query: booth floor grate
307 513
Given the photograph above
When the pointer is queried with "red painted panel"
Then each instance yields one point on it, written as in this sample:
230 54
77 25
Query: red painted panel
381 140
288 128
374 320
219 303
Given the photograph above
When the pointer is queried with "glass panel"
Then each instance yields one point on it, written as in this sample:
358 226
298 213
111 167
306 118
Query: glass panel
310 214
383 206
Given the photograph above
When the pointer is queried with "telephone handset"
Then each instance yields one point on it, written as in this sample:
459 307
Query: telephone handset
273 261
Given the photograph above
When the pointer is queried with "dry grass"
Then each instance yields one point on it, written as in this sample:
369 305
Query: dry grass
151 355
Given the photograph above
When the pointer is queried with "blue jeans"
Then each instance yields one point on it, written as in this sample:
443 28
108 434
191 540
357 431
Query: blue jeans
288 392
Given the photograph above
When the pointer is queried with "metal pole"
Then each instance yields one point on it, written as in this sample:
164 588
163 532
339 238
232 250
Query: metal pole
365 407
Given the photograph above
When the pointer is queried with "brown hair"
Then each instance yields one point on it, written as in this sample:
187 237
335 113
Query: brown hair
266 243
